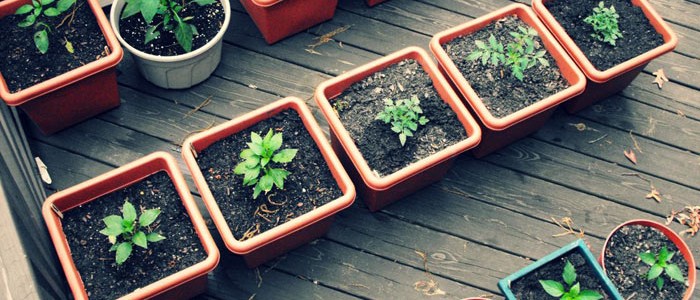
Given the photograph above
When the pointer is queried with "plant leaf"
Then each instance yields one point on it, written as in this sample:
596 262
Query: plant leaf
111 231
673 271
285 156
140 240
123 252
64 5
183 34
575 290
589 295
402 139
569 273
266 183
648 258
148 217
129 212
240 168
24 9
151 34
660 283
41 41
132 7
278 177
148 9
204 2
276 142
553 288
154 237
654 272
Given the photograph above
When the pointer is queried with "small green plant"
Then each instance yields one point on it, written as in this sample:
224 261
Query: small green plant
556 289
604 22
172 20
258 157
34 12
124 231
404 116
660 263
519 54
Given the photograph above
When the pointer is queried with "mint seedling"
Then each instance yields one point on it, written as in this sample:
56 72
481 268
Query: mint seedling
519 54
604 21
172 20
130 231
34 12
259 156
660 263
574 292
404 116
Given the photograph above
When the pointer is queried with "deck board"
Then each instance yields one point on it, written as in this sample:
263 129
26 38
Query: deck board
488 218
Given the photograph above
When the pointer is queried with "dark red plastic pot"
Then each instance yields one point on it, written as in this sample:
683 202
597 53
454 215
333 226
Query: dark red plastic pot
602 84
374 2
499 132
72 97
278 19
381 191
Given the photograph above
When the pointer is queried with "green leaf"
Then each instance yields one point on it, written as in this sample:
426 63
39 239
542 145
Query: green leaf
659 283
589 295
264 161
663 255
64 5
256 191
41 41
140 240
194 30
654 272
148 9
151 34
673 271
129 212
285 156
276 142
111 231
479 44
132 7
114 247
28 21
183 34
266 183
240 168
148 217
123 252
204 2
154 237
278 177
492 42
402 139
569 273
474 55
44 3
553 288
648 258
24 9
575 290
113 221
251 176
247 153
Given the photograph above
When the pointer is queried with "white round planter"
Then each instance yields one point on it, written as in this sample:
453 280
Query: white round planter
179 71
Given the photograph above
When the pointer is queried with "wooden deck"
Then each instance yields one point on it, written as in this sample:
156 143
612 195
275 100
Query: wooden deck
488 218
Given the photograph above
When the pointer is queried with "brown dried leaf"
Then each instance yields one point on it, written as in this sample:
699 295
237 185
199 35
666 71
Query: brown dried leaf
689 216
660 78
631 156
654 193
428 288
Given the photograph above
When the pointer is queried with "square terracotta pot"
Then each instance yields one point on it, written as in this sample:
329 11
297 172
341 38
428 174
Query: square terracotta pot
278 19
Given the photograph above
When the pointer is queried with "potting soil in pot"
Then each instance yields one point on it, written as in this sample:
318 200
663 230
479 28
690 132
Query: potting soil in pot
309 186
500 91
629 273
359 105
22 65
207 19
103 278
638 36
529 287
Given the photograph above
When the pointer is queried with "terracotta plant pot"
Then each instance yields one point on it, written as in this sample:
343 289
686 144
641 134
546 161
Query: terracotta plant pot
293 233
376 191
74 96
499 132
178 71
602 84
673 237
181 285
578 246
374 2
278 19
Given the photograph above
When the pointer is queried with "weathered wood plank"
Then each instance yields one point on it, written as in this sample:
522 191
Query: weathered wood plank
678 68
66 168
673 97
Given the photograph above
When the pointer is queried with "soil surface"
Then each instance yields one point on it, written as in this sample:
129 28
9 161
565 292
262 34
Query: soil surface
23 66
208 19
628 272
359 105
501 92
102 277
310 184
529 287
638 36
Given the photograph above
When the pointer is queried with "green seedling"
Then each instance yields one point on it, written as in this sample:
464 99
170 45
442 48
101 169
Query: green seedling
404 116
125 231
258 159
574 292
660 264
604 21
172 20
34 12
519 54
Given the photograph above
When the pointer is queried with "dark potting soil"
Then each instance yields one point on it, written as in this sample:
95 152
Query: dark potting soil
500 91
529 287
22 65
638 36
208 19
359 105
309 186
628 272
102 277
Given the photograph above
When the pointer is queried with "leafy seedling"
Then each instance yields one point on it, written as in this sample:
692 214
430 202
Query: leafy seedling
605 24
661 264
404 116
34 12
172 20
519 55
574 292
125 231
258 157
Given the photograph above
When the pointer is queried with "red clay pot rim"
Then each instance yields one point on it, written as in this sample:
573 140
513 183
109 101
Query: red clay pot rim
265 3
673 236
670 42
72 76
63 250
498 124
296 224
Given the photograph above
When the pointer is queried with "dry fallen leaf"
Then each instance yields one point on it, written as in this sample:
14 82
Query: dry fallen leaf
660 78
654 193
631 156
689 216
428 288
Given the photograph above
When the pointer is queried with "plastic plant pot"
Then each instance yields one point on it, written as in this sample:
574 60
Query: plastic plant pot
376 191
181 285
576 246
374 2
286 236
602 84
278 19
74 96
499 132
673 237
178 71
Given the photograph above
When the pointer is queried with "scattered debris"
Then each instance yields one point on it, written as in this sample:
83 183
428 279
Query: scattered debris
631 156
258 278
636 144
689 216
198 107
428 287
252 86
568 228
580 126
598 139
654 193
43 170
325 38
68 45
660 78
